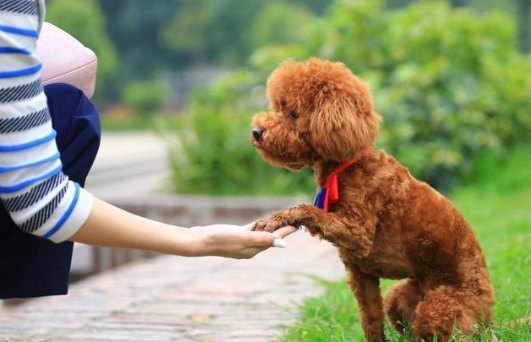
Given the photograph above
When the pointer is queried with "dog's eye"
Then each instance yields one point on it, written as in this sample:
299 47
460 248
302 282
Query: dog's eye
294 114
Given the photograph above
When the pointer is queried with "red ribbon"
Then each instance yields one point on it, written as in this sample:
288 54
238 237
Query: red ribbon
331 186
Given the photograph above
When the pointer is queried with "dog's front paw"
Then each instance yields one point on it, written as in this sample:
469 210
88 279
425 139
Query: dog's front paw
314 230
269 224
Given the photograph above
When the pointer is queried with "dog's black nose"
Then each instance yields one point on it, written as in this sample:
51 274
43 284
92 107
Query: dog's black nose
257 133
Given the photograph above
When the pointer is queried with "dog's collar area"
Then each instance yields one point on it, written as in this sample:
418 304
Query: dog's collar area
329 194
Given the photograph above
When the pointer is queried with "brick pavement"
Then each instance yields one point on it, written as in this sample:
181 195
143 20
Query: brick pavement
179 299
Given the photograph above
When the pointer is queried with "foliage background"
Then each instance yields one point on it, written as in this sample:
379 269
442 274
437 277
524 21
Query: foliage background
445 95
451 78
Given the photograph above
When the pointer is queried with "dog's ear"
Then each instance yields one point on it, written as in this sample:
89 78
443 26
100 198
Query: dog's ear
343 128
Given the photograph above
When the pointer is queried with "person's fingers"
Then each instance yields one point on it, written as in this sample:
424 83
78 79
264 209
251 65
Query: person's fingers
261 239
250 226
265 240
285 231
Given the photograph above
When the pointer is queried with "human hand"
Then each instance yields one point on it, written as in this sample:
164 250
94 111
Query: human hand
235 241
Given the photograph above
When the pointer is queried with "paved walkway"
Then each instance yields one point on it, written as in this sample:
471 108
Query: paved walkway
179 299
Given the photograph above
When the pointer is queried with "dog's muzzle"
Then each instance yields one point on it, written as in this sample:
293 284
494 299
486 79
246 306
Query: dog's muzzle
257 133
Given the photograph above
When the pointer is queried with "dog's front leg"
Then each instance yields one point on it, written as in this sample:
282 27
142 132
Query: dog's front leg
354 232
366 289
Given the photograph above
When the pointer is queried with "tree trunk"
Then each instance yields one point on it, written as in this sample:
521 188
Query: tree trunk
523 12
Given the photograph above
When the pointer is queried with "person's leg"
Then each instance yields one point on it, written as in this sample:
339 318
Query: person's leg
30 266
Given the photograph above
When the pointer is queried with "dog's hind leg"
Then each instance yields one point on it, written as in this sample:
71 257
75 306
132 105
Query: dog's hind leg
366 289
446 308
401 301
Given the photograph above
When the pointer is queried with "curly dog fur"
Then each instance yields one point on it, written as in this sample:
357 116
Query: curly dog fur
386 224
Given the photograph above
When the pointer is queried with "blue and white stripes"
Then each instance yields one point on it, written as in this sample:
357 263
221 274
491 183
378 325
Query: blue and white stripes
33 189
21 92
16 30
31 197
28 7
24 122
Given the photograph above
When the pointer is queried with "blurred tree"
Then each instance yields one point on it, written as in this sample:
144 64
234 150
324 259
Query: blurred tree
134 27
280 22
85 21
210 30
317 6
397 3
231 20
524 24
446 94
217 31
459 3
155 36
485 6
188 31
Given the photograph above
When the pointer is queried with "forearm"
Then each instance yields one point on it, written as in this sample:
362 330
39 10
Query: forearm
109 226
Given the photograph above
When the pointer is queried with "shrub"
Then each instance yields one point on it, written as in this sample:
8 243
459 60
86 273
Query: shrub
214 154
448 83
144 97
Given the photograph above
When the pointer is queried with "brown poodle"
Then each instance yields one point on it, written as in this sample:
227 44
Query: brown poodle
384 222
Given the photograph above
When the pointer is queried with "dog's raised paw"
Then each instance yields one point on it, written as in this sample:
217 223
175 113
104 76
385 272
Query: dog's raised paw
268 225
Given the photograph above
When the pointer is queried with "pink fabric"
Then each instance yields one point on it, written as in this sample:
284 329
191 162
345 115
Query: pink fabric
66 60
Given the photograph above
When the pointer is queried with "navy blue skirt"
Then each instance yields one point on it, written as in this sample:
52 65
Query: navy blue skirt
31 266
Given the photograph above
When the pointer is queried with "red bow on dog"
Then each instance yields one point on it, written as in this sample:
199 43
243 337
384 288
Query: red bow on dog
329 194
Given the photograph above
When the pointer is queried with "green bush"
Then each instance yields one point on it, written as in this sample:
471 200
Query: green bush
144 97
280 22
214 154
448 83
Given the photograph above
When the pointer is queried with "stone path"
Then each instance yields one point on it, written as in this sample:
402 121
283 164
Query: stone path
179 299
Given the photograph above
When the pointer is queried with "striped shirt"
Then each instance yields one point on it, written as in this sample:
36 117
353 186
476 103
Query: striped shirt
40 199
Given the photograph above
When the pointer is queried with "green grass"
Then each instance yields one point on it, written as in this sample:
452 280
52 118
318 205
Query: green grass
497 202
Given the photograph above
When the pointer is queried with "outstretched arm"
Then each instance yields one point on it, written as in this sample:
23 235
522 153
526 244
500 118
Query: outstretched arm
109 226
42 200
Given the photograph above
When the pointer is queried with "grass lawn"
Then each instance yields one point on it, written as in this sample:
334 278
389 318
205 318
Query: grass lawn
498 205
